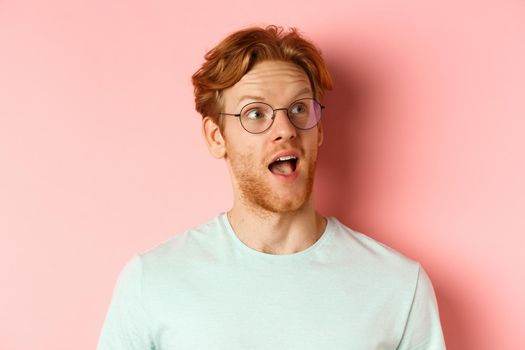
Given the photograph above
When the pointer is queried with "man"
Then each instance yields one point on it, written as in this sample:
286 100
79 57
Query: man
271 273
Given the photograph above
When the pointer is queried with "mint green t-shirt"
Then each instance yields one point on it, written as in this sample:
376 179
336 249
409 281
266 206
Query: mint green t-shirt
206 289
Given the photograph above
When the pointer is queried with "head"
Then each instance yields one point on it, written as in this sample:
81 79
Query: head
278 68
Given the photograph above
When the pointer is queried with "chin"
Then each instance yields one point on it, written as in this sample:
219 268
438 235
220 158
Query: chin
260 193
280 203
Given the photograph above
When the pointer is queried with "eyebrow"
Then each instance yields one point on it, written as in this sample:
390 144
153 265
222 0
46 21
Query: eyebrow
251 97
262 99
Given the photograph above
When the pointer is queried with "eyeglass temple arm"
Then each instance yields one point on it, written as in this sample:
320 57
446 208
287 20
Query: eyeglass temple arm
234 115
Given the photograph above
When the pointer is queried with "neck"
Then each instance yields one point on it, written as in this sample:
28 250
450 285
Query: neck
277 233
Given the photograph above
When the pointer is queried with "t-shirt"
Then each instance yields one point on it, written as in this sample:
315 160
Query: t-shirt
206 289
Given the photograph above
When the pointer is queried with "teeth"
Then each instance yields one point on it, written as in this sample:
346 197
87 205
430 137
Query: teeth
286 158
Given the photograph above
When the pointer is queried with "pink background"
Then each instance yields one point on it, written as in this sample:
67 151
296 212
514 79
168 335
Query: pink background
101 154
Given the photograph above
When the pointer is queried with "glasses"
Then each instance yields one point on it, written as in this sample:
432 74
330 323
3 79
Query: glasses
257 117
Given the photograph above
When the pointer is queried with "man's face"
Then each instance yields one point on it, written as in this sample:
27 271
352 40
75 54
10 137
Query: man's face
278 187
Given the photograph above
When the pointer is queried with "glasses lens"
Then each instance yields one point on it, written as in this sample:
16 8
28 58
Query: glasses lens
305 113
256 117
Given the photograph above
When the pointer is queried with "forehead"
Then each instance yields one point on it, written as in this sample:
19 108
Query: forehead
270 81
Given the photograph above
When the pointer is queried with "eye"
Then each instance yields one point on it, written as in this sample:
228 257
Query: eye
299 108
254 114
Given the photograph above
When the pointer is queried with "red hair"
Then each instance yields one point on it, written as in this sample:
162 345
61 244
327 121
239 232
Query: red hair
234 56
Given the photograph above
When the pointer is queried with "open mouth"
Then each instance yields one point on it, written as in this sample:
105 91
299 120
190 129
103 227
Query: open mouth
283 165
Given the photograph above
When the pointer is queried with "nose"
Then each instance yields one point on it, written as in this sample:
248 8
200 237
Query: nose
282 128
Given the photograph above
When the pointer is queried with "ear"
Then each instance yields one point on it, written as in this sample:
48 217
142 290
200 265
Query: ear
320 134
213 136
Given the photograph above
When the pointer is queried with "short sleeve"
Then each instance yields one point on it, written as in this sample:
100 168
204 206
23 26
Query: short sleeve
125 326
423 327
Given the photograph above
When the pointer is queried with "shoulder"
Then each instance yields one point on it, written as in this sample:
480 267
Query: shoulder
182 250
363 253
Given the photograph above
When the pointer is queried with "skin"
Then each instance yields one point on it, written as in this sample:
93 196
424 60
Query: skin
269 215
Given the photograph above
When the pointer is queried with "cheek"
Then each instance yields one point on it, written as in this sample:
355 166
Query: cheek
245 155
233 139
311 142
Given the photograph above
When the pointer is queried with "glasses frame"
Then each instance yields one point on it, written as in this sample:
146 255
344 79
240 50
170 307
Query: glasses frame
287 110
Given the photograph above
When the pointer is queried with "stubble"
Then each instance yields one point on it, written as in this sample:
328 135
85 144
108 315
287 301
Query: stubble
256 191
